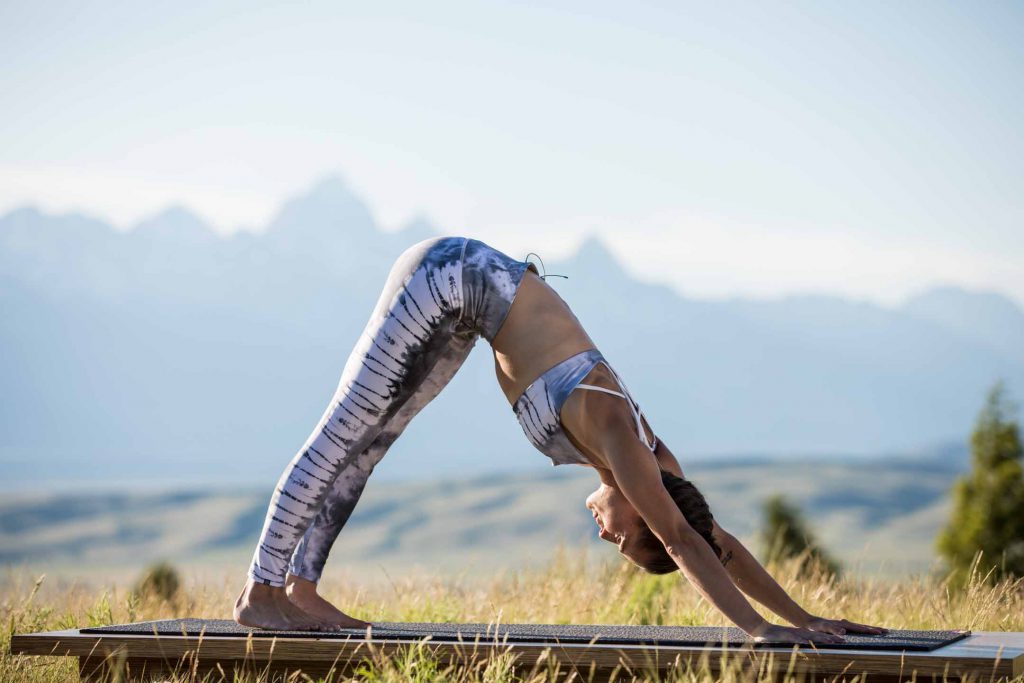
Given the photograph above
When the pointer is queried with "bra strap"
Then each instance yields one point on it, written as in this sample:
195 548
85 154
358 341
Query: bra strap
597 388
633 408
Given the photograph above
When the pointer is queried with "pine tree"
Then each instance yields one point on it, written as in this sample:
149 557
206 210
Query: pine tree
988 502
785 534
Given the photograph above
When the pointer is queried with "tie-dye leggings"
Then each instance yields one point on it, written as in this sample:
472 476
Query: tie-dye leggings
441 295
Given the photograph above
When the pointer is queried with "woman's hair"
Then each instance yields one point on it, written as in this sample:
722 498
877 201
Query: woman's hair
696 511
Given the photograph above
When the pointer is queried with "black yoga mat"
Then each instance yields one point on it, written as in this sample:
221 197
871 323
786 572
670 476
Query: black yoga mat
601 634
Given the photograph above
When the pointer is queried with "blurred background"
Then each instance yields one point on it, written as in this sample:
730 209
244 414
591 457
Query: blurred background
794 229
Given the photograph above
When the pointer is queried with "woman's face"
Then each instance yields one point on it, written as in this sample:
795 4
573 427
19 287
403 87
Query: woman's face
617 521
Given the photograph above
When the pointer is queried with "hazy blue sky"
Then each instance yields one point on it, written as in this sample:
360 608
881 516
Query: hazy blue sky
864 148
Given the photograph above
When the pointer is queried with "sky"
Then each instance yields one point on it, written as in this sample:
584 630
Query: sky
868 149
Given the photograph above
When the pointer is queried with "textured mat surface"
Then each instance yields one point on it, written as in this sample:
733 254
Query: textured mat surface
545 633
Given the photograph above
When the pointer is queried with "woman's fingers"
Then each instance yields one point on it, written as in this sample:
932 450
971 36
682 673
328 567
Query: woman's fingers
821 636
801 636
832 626
863 628
843 626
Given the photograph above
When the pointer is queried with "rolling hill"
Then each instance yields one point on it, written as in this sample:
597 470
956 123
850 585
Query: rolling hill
879 515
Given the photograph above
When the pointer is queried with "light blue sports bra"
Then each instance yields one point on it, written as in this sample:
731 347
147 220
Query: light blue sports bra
538 408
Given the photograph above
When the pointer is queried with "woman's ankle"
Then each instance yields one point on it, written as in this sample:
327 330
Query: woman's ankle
257 590
296 585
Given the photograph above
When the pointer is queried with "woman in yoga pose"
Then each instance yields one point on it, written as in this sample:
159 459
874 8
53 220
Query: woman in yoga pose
440 296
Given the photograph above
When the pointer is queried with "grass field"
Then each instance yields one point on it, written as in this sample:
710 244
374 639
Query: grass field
569 588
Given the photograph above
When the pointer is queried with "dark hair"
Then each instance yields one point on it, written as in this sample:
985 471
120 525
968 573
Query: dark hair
696 511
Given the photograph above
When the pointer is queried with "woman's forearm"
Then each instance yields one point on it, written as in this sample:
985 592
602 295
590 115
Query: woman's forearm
699 565
751 578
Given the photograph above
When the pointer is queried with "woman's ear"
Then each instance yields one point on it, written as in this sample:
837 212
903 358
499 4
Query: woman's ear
666 460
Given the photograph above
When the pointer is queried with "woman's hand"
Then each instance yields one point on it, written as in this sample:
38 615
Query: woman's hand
840 626
773 633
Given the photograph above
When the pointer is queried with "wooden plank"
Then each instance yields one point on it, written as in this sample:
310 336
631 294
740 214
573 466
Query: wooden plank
984 653
130 669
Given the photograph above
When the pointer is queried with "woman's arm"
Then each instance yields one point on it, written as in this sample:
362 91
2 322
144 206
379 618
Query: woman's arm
751 577
638 476
743 568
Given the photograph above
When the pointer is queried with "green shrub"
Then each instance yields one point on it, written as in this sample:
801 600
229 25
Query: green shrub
785 535
160 581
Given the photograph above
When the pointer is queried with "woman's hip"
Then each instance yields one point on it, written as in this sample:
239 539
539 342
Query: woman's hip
454 279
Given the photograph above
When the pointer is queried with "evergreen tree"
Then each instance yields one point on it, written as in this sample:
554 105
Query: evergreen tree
988 502
785 534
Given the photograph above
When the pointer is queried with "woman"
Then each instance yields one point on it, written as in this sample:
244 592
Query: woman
440 296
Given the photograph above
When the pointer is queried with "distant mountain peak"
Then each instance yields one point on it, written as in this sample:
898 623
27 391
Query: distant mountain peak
985 316
176 222
329 205
595 255
418 228
952 295
332 185
38 226
22 213
421 223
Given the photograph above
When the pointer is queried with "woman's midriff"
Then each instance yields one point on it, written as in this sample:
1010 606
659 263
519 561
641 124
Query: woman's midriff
539 332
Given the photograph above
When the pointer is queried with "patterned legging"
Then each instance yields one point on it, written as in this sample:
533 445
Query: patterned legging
440 295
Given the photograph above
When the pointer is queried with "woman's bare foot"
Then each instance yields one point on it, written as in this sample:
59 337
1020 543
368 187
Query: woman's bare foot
268 607
303 594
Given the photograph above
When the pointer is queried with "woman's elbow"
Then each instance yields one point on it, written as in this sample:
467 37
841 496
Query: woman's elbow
682 541
721 536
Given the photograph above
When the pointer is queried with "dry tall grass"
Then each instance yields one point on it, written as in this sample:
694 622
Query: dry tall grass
568 590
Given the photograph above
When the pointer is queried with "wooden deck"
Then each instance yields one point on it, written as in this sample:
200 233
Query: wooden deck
984 655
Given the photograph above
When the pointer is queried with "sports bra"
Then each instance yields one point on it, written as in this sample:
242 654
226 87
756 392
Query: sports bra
539 407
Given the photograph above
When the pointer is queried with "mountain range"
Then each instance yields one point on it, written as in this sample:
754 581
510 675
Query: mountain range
169 353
